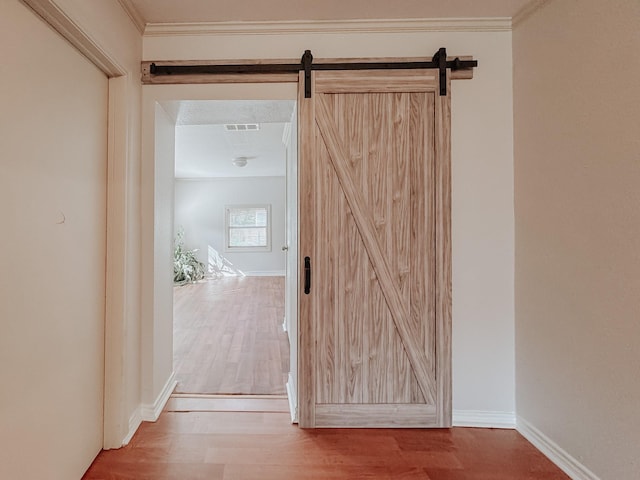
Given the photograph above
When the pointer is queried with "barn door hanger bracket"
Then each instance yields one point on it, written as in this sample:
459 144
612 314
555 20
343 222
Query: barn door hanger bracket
440 59
307 60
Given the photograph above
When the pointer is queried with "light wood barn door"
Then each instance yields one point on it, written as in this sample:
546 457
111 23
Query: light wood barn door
375 224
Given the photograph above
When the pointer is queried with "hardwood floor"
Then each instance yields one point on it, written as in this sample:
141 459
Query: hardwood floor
241 444
228 336
214 437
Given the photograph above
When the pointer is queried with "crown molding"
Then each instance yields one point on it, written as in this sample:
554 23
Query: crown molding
135 16
76 34
493 24
527 10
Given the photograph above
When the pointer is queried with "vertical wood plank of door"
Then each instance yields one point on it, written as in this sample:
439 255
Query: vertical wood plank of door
423 280
380 355
306 214
375 330
400 165
371 227
443 253
350 364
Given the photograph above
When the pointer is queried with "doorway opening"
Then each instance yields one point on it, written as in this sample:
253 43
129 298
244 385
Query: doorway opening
234 333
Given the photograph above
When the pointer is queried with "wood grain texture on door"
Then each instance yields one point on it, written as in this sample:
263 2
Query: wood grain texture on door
374 208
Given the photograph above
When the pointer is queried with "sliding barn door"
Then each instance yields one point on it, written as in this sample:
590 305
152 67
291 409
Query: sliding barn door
375 241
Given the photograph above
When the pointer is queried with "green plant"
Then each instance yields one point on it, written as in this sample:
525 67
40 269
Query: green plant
186 266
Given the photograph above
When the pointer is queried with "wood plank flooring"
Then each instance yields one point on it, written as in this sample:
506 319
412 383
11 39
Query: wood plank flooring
217 437
248 445
228 336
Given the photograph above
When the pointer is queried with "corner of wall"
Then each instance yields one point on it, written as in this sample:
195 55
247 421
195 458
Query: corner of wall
484 419
134 423
554 452
151 412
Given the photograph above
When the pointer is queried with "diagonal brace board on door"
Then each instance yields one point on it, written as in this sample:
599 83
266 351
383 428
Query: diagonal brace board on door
340 163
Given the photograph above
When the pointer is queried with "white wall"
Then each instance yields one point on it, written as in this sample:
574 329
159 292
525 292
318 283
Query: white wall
165 143
157 259
577 160
117 37
199 209
482 155
52 291
103 30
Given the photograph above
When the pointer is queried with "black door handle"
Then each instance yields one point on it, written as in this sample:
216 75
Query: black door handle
307 275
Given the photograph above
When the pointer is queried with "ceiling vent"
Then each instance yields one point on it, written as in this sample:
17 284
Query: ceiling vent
242 127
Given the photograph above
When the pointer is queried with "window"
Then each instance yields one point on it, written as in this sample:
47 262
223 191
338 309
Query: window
248 228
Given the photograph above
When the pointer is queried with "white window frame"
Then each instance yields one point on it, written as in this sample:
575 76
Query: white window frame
228 248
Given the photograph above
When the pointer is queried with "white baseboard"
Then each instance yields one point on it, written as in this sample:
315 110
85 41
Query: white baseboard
484 419
150 413
293 400
554 452
266 273
134 423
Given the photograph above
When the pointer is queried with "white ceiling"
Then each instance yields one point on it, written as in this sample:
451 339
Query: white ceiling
206 149
180 11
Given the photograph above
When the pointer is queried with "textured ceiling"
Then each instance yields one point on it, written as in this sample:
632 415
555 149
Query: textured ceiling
206 149
211 112
181 11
